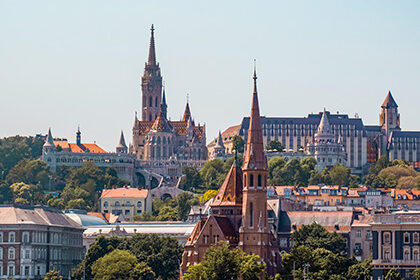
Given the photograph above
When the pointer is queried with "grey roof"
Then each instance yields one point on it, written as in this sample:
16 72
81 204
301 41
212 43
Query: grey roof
406 134
86 220
20 215
311 119
376 128
121 143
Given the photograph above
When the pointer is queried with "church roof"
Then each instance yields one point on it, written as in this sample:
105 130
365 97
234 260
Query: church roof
230 193
389 101
254 155
161 124
187 113
180 128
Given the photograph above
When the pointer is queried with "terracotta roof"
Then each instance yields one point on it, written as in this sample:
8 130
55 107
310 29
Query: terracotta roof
280 189
62 143
363 220
125 193
187 113
85 148
196 231
230 193
227 228
409 194
161 124
180 128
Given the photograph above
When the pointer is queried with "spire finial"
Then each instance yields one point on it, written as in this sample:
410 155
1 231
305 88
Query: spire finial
188 98
255 69
152 52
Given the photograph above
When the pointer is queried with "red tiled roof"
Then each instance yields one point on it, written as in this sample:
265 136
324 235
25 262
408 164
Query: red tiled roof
124 193
230 193
180 127
408 193
62 143
85 148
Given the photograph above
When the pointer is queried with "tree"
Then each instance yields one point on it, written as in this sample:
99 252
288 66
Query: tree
143 271
22 193
52 275
167 213
340 175
31 172
315 236
145 216
416 273
184 202
275 166
393 275
116 265
6 194
213 174
208 195
274 146
191 181
360 271
238 144
222 263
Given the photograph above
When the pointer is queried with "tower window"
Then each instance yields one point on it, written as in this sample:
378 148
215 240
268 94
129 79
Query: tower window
259 181
251 214
156 101
150 101
251 180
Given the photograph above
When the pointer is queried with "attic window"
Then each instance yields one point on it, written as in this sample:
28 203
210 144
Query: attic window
336 227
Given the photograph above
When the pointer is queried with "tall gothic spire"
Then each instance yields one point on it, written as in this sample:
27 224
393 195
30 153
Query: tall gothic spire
163 105
254 155
324 127
49 142
152 52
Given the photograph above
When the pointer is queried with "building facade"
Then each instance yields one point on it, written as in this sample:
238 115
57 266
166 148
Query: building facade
126 202
34 240
238 213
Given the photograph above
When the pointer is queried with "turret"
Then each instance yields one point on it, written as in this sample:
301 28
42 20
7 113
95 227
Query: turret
389 118
78 137
49 145
121 147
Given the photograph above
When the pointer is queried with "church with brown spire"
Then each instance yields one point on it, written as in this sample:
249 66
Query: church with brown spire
238 213
162 145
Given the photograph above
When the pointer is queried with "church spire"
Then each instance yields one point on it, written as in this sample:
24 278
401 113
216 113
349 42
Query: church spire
254 155
49 142
187 112
121 147
163 105
152 51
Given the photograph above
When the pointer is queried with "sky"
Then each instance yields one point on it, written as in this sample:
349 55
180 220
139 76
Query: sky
70 63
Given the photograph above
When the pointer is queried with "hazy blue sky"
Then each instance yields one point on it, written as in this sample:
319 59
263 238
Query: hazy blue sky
65 63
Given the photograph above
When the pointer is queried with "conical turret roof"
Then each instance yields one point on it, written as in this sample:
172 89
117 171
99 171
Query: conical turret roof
121 143
219 141
49 142
324 127
389 101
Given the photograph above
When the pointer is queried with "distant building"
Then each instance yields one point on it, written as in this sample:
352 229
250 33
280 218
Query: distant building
34 240
396 243
407 199
59 152
126 202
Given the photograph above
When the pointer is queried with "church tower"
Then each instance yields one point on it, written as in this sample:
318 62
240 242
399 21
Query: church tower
151 84
389 119
254 232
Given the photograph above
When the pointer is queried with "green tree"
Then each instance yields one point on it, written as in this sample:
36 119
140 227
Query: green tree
168 213
222 263
275 146
416 273
315 236
191 181
275 166
238 144
360 271
116 265
142 271
208 195
340 175
23 193
145 216
213 174
6 194
52 275
393 275
184 202
31 172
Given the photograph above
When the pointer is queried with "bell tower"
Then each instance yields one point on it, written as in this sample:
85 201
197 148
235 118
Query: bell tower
389 119
254 232
151 84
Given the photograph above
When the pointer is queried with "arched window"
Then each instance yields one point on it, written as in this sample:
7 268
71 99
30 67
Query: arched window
106 204
251 214
117 203
251 180
127 203
12 237
150 101
139 204
259 181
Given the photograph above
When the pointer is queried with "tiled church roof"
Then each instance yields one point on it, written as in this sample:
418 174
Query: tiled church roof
180 127
230 193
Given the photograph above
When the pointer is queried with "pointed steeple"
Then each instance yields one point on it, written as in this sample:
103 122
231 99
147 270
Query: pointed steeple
163 106
49 142
136 121
389 101
254 155
230 193
152 51
324 127
121 143
219 141
187 112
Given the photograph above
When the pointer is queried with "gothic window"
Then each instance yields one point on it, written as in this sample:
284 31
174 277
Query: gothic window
259 181
156 102
251 214
251 180
150 101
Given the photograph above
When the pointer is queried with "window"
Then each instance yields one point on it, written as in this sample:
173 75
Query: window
415 254
251 214
26 270
27 254
387 237
406 254
406 237
11 270
117 203
1 268
358 233
283 242
259 181
127 203
1 237
11 254
387 254
12 237
416 237
106 204
139 204
25 237
127 212
38 270
251 180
